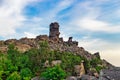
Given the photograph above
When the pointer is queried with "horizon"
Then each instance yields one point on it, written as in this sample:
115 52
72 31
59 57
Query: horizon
93 23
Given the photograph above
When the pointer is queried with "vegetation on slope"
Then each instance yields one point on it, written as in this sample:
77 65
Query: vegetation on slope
23 66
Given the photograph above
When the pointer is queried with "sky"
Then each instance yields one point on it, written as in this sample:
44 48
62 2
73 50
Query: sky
94 23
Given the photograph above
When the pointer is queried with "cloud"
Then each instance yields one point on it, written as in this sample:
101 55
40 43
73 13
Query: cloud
108 50
94 18
11 16
29 35
95 25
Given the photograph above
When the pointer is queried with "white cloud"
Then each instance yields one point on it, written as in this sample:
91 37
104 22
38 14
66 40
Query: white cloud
11 16
90 17
95 25
108 50
29 35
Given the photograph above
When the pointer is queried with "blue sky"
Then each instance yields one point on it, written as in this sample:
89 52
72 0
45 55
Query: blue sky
94 23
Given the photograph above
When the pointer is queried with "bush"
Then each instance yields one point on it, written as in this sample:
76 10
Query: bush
0 78
69 60
98 68
26 74
54 73
14 76
23 61
95 61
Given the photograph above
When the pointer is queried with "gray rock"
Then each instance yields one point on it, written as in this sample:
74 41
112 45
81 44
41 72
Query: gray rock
111 74
87 77
36 78
54 31
71 78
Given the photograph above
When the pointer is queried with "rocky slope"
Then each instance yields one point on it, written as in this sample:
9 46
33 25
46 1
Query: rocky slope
53 39
55 43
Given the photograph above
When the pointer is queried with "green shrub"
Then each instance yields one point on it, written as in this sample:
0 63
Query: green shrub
23 61
98 68
9 66
14 76
54 73
26 74
0 78
95 61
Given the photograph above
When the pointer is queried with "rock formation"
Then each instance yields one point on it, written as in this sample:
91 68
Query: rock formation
55 43
82 70
79 69
54 31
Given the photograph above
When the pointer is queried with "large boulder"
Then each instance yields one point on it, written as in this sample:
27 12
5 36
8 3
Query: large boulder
79 69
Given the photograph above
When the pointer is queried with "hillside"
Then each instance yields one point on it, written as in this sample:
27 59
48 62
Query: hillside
29 57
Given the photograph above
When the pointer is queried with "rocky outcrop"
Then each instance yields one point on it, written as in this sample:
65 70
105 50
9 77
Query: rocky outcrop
54 42
97 54
79 69
72 43
106 74
54 31
3 49
107 64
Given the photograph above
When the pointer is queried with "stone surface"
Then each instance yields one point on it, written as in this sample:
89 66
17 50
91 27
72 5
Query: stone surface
70 39
71 78
42 38
97 54
36 78
111 74
87 77
107 64
46 64
56 62
54 31
82 70
79 69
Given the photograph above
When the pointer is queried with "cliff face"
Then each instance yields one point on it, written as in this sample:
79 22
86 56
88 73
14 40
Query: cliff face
55 43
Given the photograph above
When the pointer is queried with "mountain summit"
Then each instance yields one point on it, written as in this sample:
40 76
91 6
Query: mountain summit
80 61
